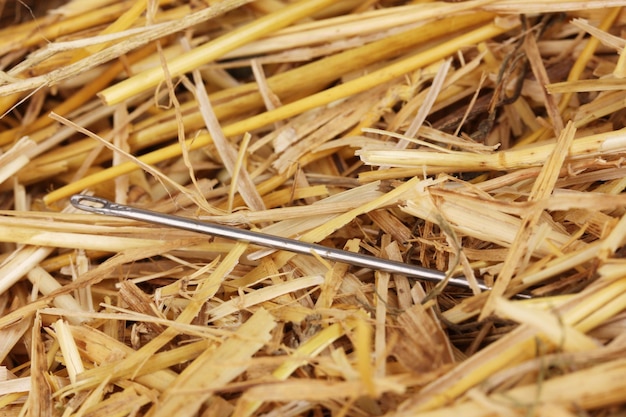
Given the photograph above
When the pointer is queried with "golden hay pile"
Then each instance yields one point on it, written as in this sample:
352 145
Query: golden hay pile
485 138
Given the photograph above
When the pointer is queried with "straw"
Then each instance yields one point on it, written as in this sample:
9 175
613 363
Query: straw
297 107
212 50
480 140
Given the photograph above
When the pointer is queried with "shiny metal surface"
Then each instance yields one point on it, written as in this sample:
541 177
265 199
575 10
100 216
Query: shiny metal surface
106 207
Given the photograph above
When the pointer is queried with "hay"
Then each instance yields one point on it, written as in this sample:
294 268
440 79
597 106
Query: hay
484 138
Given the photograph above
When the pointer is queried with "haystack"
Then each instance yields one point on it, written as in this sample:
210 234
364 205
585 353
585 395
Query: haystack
484 139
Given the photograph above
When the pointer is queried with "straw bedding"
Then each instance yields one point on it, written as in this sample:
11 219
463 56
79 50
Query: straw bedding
483 138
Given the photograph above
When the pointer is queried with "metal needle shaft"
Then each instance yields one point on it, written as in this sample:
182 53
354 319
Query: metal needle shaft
106 207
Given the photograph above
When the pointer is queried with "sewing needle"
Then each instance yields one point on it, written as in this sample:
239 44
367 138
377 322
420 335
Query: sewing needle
106 207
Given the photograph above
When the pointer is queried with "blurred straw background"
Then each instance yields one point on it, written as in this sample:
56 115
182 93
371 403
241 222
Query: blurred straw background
483 138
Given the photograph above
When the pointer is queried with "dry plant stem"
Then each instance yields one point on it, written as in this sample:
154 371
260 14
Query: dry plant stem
48 240
240 165
536 63
517 346
606 39
227 152
542 188
132 364
33 34
99 347
117 49
213 49
120 314
47 284
549 6
125 402
22 261
69 350
573 313
79 98
601 84
585 389
262 295
352 25
587 54
362 335
379 77
148 168
30 33
577 69
380 332
10 337
556 332
120 139
242 99
13 388
516 158
15 158
288 85
289 110
429 101
92 277
125 21
180 130
310 349
40 396
215 368
462 312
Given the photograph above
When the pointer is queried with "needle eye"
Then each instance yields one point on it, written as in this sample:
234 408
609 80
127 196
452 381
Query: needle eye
90 203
